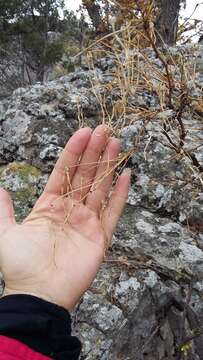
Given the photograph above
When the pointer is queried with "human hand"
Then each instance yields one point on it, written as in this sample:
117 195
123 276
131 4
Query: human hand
56 252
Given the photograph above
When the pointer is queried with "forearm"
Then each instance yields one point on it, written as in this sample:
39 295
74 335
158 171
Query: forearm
41 325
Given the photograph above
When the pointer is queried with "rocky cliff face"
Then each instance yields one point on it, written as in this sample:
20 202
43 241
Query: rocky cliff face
147 300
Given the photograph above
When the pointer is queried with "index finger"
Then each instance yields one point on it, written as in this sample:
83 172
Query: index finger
68 159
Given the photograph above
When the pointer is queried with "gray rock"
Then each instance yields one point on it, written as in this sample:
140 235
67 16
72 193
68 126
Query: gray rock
38 122
21 180
100 314
147 297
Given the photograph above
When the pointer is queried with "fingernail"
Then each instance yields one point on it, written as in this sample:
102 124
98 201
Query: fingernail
102 130
127 171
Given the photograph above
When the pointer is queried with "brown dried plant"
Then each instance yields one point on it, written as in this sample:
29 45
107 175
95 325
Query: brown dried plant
166 76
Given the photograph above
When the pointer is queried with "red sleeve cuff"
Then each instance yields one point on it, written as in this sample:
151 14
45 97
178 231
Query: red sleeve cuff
11 349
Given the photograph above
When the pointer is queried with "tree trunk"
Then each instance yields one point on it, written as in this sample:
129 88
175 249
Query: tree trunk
166 24
94 12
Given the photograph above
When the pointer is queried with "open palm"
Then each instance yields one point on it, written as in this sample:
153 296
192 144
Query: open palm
57 250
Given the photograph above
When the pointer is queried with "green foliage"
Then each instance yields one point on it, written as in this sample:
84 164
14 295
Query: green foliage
14 9
34 36
53 53
37 29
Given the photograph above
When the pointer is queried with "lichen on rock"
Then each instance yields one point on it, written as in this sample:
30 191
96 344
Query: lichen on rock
147 297
21 180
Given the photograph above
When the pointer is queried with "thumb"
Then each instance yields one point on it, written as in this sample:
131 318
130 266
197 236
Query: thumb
7 216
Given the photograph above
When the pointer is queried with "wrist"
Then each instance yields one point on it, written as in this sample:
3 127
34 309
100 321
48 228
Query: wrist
42 296
39 294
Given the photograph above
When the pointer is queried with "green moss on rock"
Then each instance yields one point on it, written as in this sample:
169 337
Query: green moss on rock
21 180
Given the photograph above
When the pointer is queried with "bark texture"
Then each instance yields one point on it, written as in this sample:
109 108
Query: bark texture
94 12
167 21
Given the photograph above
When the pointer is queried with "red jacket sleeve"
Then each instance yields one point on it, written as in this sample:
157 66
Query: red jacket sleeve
11 349
36 327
